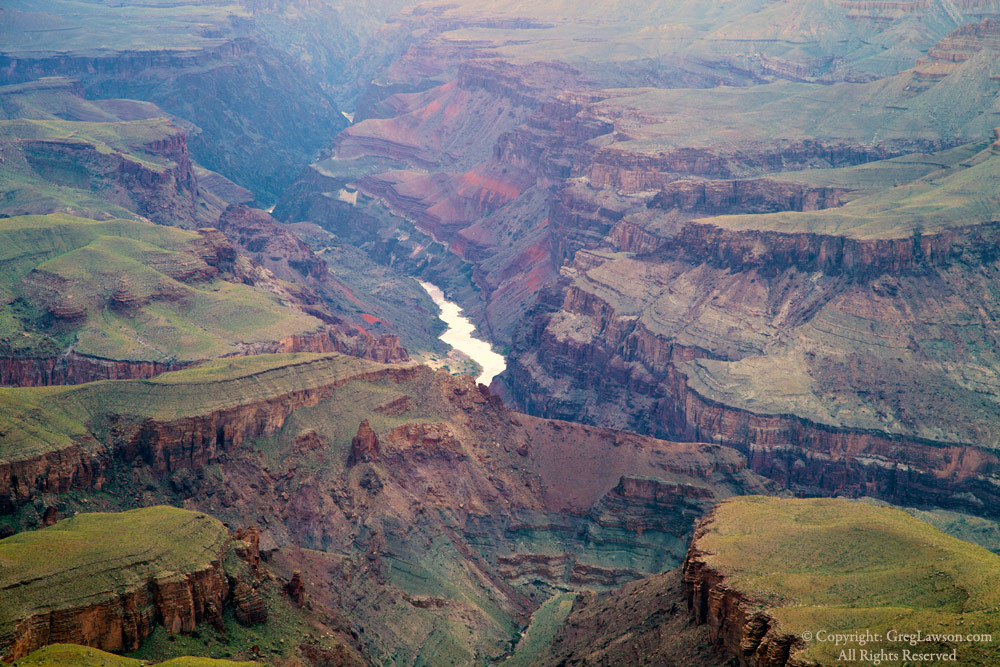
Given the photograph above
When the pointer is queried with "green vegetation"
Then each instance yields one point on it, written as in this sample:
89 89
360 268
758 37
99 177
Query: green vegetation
36 420
122 137
62 152
71 655
278 638
545 623
842 566
175 309
89 558
957 194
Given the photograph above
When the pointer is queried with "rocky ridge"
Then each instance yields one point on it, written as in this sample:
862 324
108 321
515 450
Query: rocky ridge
118 616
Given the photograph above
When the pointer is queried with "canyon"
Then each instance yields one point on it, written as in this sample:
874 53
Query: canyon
709 258
436 480
718 279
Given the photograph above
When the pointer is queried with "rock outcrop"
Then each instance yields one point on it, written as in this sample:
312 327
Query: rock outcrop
176 601
365 445
295 589
177 582
735 622
75 369
167 445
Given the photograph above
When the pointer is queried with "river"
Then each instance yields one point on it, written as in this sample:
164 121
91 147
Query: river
459 336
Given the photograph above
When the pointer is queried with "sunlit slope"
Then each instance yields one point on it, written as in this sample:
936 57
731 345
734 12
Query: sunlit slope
836 565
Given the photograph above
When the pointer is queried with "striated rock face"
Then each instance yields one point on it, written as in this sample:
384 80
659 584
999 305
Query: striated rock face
630 172
384 349
79 369
75 369
163 445
169 584
734 622
750 196
248 605
773 252
720 335
162 188
176 601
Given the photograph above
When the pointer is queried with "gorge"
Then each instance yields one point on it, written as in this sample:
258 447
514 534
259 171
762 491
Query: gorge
459 335
742 260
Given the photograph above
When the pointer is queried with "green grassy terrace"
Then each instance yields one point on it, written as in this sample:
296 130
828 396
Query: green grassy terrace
843 566
60 260
41 419
71 655
123 137
955 194
89 558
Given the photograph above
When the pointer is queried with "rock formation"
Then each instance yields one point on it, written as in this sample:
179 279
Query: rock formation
295 589
365 445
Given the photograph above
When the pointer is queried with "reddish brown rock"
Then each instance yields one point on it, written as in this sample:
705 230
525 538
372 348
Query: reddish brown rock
163 446
248 546
75 368
734 621
51 516
178 601
248 605
295 589
365 445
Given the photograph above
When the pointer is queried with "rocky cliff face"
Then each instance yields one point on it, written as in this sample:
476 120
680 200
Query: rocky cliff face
258 236
438 475
734 621
79 369
164 194
665 347
74 369
552 162
200 86
117 613
751 196
163 446
177 601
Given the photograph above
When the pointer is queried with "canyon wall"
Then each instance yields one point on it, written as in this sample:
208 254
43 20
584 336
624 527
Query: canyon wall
200 86
163 445
649 361
178 601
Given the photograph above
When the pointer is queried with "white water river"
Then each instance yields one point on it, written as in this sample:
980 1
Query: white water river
459 336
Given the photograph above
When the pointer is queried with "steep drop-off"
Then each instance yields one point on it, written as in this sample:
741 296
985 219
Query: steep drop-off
397 484
101 587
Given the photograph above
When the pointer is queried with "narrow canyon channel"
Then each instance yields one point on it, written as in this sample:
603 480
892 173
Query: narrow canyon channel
459 336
